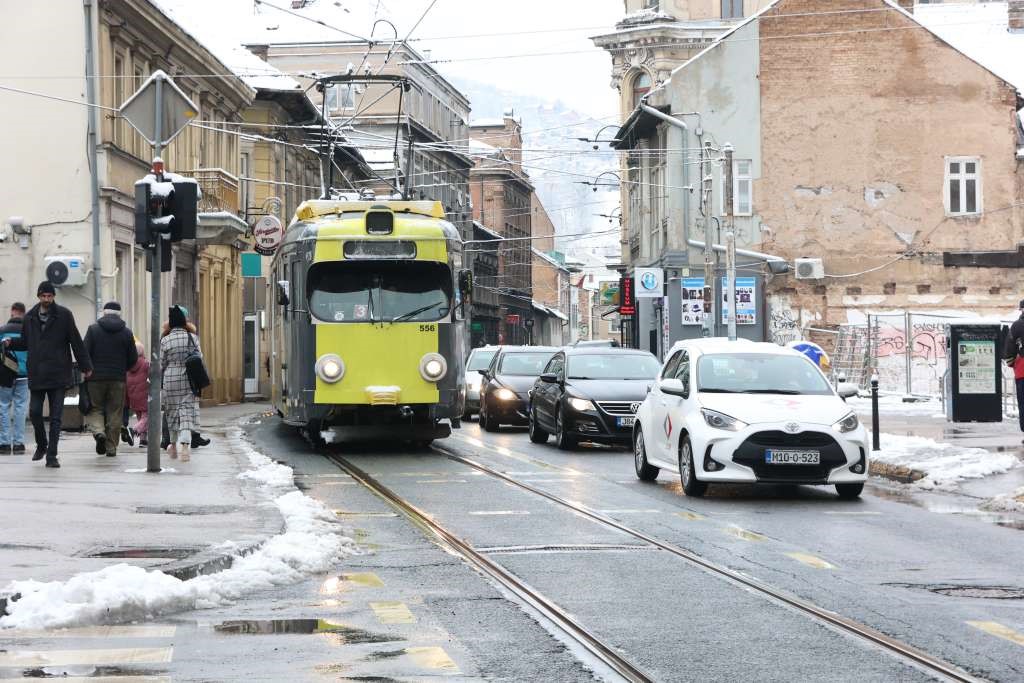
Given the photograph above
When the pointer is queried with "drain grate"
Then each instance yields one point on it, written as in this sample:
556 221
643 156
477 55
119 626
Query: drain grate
990 592
144 553
520 549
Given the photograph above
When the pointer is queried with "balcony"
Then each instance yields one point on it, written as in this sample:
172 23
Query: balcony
219 188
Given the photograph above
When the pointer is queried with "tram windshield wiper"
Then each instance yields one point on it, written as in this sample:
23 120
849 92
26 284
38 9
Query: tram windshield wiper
417 311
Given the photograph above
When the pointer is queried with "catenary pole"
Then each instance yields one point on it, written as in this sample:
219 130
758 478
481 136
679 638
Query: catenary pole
94 182
155 415
730 246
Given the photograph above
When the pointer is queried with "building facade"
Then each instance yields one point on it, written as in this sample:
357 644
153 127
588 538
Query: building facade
501 199
881 154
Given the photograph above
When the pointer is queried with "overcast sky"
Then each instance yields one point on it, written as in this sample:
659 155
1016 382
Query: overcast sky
581 79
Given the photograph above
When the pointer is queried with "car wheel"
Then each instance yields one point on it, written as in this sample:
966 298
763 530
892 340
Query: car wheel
644 470
849 491
486 422
537 435
687 471
563 440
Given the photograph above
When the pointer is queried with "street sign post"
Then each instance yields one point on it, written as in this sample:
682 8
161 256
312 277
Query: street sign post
159 110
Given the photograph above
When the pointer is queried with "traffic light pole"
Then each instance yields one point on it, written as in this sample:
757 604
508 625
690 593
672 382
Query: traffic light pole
155 416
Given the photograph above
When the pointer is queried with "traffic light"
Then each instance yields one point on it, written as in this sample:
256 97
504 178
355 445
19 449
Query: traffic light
165 208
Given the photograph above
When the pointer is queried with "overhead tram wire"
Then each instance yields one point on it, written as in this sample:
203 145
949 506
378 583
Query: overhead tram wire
311 19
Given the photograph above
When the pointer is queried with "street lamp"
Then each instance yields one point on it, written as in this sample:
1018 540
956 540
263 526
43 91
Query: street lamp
597 138
595 183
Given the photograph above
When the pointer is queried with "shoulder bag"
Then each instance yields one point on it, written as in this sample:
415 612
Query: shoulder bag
195 368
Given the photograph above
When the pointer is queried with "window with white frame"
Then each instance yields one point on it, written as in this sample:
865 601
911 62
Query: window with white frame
343 96
963 186
742 188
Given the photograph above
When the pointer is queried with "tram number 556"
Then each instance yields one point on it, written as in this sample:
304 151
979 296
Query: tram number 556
428 328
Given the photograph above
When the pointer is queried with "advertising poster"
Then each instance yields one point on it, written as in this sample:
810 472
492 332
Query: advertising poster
649 282
976 367
746 303
693 300
608 293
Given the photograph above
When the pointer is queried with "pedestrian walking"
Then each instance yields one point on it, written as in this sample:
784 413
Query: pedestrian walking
50 336
180 404
1013 354
137 394
111 346
14 399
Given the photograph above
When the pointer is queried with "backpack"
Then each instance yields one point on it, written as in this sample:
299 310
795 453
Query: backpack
195 368
8 369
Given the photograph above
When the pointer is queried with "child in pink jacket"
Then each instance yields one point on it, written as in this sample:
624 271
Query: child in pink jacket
137 389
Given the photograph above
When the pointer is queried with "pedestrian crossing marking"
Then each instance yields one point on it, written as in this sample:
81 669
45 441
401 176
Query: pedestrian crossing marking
691 516
128 631
996 629
743 534
364 579
811 560
37 658
393 612
432 658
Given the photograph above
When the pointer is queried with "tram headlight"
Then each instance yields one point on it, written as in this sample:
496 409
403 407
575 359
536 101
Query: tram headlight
433 367
330 368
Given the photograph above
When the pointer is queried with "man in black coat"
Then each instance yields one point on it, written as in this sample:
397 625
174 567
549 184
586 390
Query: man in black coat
50 335
111 348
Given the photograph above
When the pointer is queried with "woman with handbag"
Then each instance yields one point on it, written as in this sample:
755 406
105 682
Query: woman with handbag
179 398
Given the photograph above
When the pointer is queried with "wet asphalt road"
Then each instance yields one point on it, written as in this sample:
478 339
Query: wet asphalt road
407 610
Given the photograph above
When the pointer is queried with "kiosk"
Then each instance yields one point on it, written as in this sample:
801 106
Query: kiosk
974 388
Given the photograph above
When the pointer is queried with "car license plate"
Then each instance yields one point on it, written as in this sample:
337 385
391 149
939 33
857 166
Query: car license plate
774 457
625 421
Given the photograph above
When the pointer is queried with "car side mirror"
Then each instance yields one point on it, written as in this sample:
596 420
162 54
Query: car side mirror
485 374
549 377
847 390
674 387
282 292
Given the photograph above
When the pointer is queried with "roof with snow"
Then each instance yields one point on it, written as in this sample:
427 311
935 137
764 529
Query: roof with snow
477 225
494 122
550 260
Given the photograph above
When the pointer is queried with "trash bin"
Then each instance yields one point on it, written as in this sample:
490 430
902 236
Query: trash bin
974 388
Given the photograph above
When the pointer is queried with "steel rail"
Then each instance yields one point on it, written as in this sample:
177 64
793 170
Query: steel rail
559 617
849 626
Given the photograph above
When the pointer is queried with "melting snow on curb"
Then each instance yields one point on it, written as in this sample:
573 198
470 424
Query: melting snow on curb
312 542
943 464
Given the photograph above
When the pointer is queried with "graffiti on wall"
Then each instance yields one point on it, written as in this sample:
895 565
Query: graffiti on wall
783 321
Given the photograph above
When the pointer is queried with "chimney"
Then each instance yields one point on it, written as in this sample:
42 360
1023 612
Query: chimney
908 5
1015 16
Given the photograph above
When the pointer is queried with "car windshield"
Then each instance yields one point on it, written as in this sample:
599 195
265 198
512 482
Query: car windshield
613 366
530 364
479 360
759 373
346 292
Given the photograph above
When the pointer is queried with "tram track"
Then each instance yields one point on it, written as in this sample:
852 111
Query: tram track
602 651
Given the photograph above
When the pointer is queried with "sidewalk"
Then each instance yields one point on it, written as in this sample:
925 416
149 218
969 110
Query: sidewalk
96 511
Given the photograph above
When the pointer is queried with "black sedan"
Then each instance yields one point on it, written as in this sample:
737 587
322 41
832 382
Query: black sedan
590 394
506 383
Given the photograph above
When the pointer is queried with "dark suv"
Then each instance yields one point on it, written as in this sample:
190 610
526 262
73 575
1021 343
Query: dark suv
505 384
590 394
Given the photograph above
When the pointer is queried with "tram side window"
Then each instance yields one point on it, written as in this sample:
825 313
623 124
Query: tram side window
345 292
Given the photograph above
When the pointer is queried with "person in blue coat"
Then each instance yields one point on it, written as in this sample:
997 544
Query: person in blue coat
14 399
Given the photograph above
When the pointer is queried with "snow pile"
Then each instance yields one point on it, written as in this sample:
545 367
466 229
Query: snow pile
1008 502
942 464
312 542
895 405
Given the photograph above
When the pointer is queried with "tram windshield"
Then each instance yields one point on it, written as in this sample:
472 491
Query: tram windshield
350 292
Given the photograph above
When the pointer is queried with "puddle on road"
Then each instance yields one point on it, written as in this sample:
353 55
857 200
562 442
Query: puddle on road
88 672
339 633
928 501
143 553
968 591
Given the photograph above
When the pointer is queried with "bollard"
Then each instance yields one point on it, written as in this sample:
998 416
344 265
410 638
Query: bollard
875 445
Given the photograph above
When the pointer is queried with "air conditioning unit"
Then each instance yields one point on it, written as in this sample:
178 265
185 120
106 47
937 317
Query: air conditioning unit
66 271
809 269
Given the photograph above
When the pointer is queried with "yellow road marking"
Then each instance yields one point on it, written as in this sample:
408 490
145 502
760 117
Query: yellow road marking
432 658
364 579
146 631
811 560
692 516
37 658
743 534
392 612
996 629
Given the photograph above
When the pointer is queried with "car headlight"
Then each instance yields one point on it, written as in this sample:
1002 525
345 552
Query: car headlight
504 394
722 421
581 404
330 368
847 424
433 367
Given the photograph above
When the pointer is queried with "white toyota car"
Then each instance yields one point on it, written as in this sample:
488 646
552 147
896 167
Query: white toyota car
741 411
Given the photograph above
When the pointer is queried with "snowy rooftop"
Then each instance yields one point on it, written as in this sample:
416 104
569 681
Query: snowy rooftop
979 31
257 73
487 123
